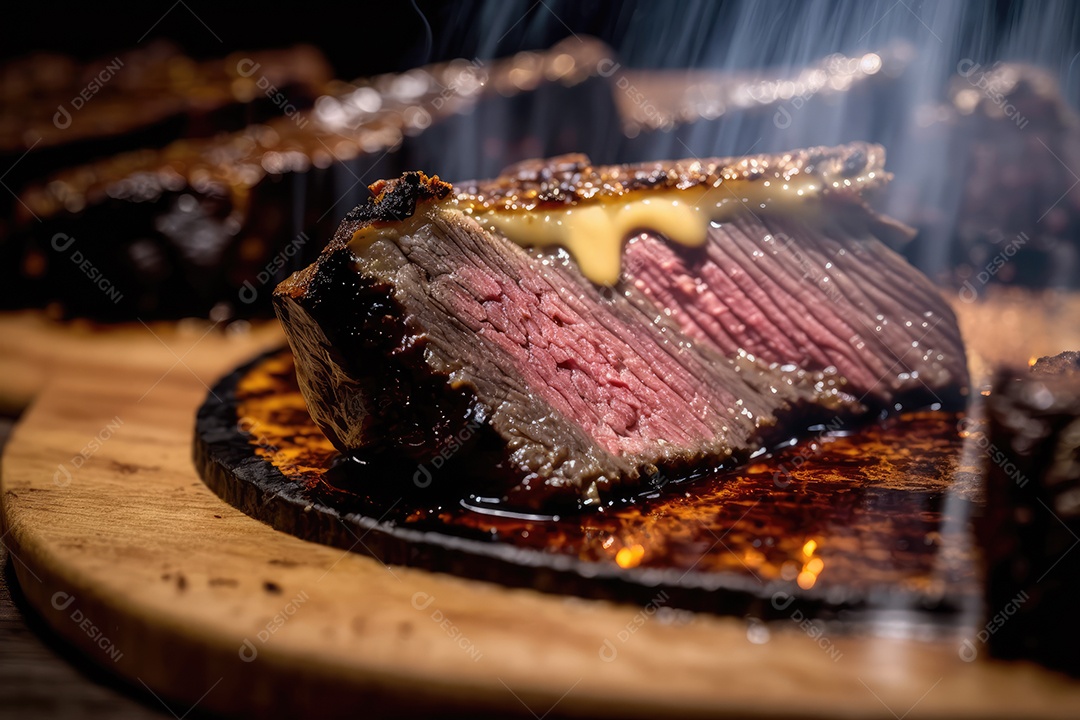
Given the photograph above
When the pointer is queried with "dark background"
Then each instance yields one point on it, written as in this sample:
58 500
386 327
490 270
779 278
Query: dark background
786 36
368 37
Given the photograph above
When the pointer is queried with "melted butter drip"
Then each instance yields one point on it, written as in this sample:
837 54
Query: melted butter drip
594 233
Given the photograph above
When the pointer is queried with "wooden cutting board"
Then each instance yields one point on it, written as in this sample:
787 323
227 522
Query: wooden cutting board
124 551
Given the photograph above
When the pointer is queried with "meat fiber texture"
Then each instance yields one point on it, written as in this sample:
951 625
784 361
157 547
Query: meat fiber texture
795 292
445 344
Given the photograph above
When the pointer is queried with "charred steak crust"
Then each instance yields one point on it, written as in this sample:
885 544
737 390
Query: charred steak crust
440 342
1065 365
573 179
396 200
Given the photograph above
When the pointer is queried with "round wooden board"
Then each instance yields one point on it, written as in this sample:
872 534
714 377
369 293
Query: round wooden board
132 558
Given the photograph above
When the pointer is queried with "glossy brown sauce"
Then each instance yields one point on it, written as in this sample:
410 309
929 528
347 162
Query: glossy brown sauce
845 510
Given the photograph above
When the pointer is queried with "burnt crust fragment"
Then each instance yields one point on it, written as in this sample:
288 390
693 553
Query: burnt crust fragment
1065 365
396 200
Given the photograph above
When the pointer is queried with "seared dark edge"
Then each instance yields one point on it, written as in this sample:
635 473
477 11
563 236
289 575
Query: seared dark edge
574 179
1063 365
396 200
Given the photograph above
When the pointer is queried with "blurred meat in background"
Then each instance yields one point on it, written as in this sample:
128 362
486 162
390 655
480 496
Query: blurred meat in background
184 167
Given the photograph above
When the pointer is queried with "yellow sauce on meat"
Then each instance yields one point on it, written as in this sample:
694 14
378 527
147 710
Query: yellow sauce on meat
594 232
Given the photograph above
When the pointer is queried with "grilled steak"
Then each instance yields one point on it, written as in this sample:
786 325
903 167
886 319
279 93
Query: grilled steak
1028 529
56 112
1015 217
427 330
201 226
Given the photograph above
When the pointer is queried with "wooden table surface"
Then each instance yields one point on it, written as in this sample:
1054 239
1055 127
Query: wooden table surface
41 676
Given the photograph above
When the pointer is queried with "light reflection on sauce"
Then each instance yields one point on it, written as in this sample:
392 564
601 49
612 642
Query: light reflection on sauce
629 557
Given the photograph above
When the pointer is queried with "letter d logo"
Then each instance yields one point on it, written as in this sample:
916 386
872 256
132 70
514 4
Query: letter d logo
422 477
248 652
966 425
782 600
62 476
62 600
968 293
782 118
248 293
62 241
247 67
422 601
607 67
62 118
967 67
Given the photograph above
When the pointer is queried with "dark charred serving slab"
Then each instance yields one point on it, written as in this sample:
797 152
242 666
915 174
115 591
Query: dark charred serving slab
873 520
676 318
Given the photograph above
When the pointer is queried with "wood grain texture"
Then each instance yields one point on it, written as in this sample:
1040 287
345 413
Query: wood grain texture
39 676
171 587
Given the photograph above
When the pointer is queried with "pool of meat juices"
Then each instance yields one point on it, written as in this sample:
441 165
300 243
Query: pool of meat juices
854 510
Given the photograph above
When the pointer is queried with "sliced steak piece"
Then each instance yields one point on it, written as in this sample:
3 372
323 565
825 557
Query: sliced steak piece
1029 527
422 332
816 288
1009 213
195 226
57 114
435 332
